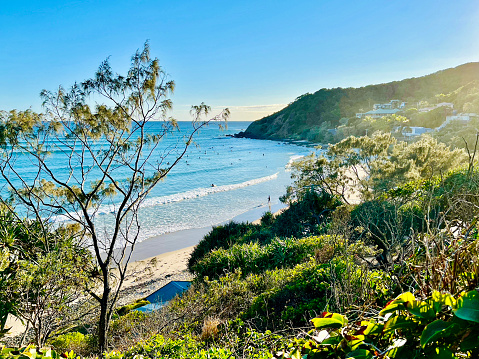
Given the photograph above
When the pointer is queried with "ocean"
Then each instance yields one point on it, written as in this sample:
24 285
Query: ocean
219 178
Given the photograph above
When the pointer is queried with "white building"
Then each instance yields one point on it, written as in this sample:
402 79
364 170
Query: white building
378 113
442 104
383 109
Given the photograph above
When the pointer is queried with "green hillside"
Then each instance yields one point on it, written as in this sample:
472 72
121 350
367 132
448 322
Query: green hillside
322 110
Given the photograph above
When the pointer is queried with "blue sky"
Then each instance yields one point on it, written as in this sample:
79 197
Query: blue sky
251 56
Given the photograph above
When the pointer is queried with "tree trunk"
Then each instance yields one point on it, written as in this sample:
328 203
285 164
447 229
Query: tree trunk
104 317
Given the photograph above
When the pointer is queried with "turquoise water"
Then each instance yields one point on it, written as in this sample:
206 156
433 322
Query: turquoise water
219 178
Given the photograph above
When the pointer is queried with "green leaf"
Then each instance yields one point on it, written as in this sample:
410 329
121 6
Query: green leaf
360 354
374 328
326 323
467 307
333 340
400 322
404 297
398 303
421 309
391 308
296 354
395 349
443 298
339 317
435 330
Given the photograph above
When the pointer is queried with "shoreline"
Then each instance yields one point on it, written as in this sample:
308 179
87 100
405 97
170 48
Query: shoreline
174 241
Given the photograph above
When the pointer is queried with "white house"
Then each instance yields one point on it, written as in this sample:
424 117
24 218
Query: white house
383 109
464 117
378 113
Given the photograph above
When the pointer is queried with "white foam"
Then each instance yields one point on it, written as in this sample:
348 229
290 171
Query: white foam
178 197
201 192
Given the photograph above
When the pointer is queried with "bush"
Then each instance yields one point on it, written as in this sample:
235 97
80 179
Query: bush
186 347
76 341
221 237
306 216
276 297
255 258
439 327
129 307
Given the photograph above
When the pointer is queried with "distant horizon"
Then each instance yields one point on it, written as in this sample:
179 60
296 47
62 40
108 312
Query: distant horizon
218 109
252 57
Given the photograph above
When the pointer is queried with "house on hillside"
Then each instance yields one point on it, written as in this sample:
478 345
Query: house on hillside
415 131
466 117
442 104
378 113
383 109
463 117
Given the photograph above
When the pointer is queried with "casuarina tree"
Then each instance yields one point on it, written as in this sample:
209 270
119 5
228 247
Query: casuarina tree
106 155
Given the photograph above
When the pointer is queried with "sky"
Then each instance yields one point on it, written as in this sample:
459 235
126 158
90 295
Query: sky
253 57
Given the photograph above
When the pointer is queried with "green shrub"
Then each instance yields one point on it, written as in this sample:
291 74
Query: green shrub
76 341
129 307
256 258
306 216
186 347
29 352
271 298
439 327
220 237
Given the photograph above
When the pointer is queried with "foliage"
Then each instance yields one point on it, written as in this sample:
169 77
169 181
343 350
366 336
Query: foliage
310 111
441 326
221 237
308 216
42 276
431 119
253 258
368 125
300 219
387 225
275 297
73 341
125 309
184 347
29 352
459 134
371 165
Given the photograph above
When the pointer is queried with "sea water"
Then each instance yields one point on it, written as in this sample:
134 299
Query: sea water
219 178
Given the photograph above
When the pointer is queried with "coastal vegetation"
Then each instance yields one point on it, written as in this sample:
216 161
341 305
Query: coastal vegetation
376 255
392 275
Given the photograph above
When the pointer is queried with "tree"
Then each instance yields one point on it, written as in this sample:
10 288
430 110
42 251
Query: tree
41 275
110 156
369 166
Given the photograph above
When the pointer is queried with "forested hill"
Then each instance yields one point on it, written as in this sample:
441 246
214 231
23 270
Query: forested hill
326 107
